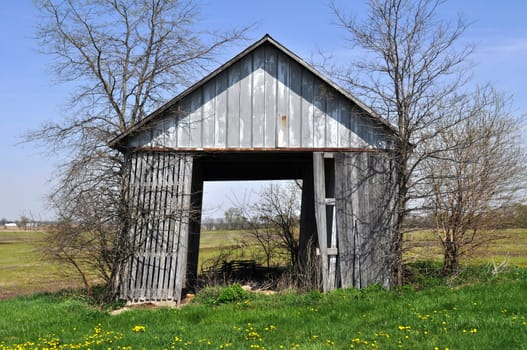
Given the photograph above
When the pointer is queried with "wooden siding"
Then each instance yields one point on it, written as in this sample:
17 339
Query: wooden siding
265 100
365 214
159 209
222 128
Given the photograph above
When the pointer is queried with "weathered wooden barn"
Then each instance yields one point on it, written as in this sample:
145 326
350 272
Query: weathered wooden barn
264 115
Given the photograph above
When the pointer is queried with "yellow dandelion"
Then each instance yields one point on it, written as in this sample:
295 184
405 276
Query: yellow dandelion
138 329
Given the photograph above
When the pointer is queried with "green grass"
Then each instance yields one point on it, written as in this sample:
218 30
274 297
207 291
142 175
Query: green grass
488 315
482 308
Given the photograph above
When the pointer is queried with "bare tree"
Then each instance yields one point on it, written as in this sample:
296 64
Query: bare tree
277 212
408 69
124 58
263 233
480 169
272 222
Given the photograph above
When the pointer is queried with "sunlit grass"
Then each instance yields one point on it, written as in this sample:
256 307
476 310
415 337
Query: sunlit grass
482 308
490 315
508 246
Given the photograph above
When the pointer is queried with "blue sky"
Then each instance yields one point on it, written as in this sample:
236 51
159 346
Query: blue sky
29 96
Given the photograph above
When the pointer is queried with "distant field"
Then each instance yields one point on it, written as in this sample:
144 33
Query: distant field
504 245
23 269
508 246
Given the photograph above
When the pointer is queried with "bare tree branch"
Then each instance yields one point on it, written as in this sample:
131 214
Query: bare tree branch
124 58
409 69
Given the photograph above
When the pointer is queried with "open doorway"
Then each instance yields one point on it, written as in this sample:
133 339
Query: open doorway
249 232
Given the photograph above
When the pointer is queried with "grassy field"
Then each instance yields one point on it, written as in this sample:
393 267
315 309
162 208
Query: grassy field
504 246
23 269
490 315
484 308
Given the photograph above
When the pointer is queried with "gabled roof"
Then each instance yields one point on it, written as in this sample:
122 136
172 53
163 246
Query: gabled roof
266 39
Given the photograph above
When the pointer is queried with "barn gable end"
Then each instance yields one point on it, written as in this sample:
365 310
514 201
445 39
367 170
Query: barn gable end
265 98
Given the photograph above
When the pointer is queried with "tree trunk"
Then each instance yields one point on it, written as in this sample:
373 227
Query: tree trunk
450 259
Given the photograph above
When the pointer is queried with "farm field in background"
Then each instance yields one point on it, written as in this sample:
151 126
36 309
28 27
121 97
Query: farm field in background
508 246
24 271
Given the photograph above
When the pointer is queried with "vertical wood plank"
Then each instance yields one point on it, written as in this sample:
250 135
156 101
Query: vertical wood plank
196 118
332 120
175 204
319 116
163 235
182 250
246 102
171 128
320 214
220 135
183 124
344 219
308 110
258 99
329 184
270 97
295 106
344 123
233 106
282 100
209 92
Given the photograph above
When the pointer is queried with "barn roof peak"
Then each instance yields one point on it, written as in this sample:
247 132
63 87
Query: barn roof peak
119 141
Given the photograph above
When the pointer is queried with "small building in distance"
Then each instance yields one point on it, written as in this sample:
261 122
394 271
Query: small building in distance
10 225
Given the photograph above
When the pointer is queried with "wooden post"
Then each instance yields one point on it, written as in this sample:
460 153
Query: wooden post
320 214
324 187
308 227
182 248
195 224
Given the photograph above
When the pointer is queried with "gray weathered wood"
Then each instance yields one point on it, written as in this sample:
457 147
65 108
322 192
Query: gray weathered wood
320 215
271 104
365 214
268 100
160 187
220 125
233 106
246 103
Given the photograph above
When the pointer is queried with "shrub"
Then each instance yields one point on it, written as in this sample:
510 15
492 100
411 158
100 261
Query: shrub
232 294
222 295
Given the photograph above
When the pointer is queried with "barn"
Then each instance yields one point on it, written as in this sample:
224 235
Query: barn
264 115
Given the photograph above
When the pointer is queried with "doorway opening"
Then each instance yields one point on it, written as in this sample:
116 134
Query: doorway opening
249 232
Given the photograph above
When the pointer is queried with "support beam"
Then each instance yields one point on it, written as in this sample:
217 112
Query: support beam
324 187
320 215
